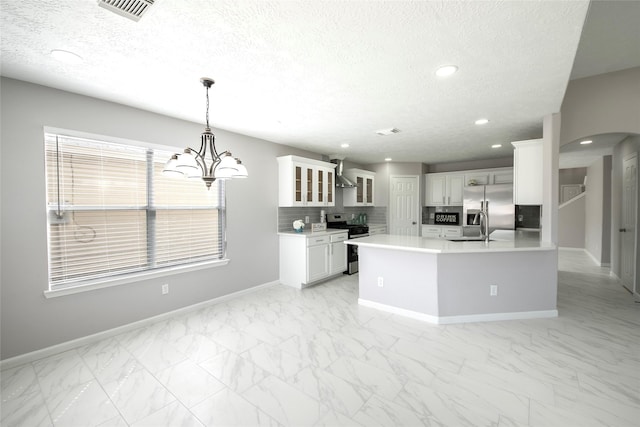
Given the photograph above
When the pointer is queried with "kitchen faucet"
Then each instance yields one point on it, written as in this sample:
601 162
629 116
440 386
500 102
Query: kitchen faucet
483 215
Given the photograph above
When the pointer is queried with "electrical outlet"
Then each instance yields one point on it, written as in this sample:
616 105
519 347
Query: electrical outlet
380 282
306 219
493 290
165 289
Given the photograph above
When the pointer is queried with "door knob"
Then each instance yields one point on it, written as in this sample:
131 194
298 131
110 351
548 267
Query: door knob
414 223
623 230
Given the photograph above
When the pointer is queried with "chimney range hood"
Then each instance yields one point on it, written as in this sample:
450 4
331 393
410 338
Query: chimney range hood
341 181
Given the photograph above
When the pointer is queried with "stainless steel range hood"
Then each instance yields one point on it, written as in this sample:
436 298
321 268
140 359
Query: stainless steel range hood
341 181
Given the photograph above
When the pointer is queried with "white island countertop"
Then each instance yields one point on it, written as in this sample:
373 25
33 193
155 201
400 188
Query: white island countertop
502 241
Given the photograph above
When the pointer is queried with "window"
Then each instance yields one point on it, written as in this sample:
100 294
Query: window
111 212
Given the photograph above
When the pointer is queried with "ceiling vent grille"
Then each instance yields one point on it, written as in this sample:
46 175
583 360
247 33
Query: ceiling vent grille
384 132
132 9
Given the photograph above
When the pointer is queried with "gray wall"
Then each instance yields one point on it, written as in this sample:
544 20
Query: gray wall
607 103
385 170
601 104
597 210
570 176
504 162
29 321
571 224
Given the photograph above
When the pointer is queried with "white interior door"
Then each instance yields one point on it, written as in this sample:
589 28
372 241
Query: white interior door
404 197
628 223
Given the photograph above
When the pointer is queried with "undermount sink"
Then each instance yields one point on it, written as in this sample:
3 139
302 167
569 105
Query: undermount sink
469 239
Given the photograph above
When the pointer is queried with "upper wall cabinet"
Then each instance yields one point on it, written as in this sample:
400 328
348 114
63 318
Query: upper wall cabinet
444 189
527 172
305 182
489 176
362 194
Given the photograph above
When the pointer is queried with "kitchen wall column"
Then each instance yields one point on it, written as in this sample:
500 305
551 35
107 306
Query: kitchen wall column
550 172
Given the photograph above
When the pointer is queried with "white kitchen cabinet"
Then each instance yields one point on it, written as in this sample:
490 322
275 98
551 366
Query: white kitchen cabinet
363 193
305 182
488 176
377 229
501 176
308 258
318 260
338 254
444 189
477 178
441 231
527 172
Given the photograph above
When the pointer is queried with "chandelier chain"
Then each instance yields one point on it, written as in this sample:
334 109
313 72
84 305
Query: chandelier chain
208 107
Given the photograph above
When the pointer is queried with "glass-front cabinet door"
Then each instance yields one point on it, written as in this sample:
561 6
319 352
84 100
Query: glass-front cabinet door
330 185
309 186
369 191
320 185
298 191
359 189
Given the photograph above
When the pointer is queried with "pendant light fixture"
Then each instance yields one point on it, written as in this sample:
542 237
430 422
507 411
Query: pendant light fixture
194 164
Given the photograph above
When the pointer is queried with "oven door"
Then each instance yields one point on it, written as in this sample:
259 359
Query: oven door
352 255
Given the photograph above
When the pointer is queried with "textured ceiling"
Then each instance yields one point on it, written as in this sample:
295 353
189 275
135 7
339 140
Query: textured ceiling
317 74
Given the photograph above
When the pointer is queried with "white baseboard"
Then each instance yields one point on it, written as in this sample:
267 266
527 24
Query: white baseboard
566 248
448 320
89 339
400 311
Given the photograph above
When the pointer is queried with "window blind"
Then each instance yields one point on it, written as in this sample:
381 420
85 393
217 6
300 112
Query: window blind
111 212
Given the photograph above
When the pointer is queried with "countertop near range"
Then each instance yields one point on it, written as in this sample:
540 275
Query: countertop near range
308 233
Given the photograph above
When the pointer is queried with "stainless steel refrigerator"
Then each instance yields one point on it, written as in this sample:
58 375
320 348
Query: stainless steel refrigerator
497 198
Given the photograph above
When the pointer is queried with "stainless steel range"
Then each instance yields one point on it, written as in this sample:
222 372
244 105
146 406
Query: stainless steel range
339 220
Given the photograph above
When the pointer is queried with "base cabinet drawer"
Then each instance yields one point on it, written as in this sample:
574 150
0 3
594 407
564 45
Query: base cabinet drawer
441 232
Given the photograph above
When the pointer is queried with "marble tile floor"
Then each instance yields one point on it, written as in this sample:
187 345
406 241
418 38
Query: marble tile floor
284 357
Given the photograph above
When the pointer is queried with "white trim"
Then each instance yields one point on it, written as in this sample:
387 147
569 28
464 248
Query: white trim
593 258
108 282
89 339
565 248
400 311
576 198
448 320
109 138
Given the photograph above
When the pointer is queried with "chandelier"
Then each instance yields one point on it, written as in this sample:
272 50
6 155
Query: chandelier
194 164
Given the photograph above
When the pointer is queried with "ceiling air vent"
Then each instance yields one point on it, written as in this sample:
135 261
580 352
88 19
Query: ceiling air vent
384 132
132 9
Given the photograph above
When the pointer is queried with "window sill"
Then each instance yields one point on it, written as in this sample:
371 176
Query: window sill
131 278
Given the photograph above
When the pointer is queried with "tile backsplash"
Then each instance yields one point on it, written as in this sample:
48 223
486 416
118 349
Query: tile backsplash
286 216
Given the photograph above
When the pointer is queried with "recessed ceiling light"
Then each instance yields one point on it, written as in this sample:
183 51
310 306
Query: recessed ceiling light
446 70
66 56
388 159
586 142
496 146
344 145
482 121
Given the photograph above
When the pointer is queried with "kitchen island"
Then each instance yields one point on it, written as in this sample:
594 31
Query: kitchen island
442 281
